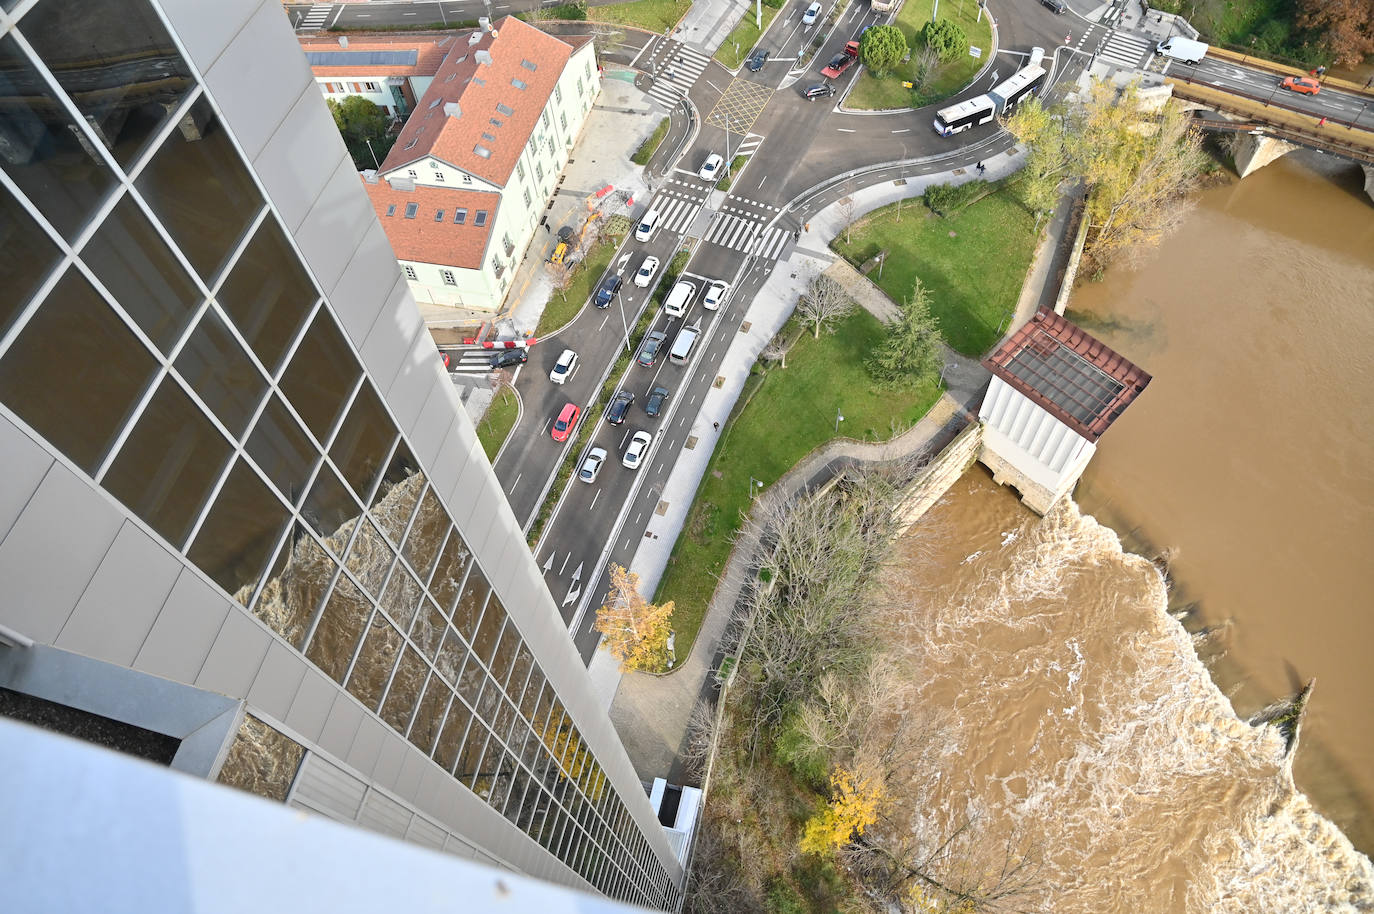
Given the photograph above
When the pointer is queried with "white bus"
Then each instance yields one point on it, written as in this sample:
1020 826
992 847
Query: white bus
1008 94
955 118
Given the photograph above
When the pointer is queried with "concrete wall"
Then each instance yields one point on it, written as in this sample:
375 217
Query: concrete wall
938 476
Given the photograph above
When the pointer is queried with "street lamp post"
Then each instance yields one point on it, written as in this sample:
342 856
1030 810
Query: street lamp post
375 163
754 486
839 417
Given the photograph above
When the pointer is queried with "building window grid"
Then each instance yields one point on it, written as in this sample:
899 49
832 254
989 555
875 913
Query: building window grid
296 525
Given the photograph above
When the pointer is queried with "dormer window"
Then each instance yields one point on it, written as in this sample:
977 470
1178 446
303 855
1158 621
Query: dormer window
460 216
528 65
411 210
519 84
480 219
507 110
482 151
439 216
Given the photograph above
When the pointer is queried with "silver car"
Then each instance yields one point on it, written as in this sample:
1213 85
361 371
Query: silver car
637 449
591 464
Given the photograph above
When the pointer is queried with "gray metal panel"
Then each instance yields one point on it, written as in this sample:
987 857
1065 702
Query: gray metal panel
372 278
206 28
384 59
388 345
234 660
413 765
420 371
426 833
444 470
388 768
436 418
25 461
337 221
299 158
367 745
311 706
341 726
327 787
185 629
277 681
115 614
383 814
52 551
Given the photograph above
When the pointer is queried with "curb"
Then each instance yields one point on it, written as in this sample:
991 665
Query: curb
519 414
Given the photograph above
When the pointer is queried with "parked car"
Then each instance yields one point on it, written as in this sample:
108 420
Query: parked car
646 273
591 464
649 350
757 60
813 12
607 290
1303 85
715 294
841 61
710 169
508 357
620 406
566 421
654 405
443 356
638 447
564 368
1056 6
820 90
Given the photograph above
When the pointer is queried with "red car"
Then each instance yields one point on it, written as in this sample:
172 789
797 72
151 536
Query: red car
1303 85
563 425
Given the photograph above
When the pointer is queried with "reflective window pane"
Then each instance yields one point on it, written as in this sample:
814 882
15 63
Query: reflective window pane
397 495
26 256
488 633
524 660
447 581
429 717
404 693
282 450
138 269
469 609
116 60
330 509
532 692
401 597
268 294
369 558
471 680
451 737
426 534
43 149
364 441
504 657
221 374
341 626
169 463
321 375
451 656
372 669
297 584
429 629
200 190
75 372
239 533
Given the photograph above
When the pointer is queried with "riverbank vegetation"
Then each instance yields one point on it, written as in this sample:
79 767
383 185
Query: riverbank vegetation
652 15
1138 164
972 261
933 75
1309 32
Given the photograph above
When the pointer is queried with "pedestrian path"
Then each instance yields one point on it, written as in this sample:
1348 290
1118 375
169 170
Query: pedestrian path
675 68
749 145
747 235
677 209
1126 50
470 363
315 19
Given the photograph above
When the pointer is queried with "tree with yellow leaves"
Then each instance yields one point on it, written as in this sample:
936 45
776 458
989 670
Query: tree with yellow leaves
636 630
853 806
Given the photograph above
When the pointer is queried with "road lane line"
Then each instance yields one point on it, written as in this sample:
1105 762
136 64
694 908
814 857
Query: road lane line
903 130
594 498
516 483
566 559
844 130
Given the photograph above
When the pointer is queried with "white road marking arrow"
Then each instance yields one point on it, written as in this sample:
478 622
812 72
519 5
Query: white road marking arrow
577 575
573 593
548 564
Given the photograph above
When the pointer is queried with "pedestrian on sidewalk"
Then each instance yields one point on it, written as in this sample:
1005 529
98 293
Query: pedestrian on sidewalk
1321 123
715 425
982 168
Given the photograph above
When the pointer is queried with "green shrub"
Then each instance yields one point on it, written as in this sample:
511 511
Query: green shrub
882 48
573 12
947 199
783 898
802 756
946 38
646 149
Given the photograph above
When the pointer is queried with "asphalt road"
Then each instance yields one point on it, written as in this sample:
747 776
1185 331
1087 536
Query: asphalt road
1265 86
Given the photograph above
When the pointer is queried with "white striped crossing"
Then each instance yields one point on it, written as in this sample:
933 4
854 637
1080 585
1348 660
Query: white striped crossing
1130 51
749 145
675 68
748 236
474 363
676 213
314 20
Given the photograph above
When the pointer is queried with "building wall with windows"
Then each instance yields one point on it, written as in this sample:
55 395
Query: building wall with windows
242 508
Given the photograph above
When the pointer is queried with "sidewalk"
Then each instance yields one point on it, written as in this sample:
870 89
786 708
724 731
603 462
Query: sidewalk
709 22
651 713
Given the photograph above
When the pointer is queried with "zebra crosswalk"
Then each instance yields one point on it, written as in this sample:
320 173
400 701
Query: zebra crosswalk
469 363
315 19
677 210
1124 50
675 67
748 236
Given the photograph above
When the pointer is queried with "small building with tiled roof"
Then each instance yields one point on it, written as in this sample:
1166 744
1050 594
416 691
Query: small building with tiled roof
1055 389
499 119
390 70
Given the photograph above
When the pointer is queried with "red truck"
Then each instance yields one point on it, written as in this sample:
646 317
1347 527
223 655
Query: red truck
842 61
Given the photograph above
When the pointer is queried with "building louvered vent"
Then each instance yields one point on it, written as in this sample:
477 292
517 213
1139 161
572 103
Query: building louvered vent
452 109
483 57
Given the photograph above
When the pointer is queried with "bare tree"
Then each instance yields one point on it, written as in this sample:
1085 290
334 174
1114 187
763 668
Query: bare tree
925 67
776 350
824 303
845 207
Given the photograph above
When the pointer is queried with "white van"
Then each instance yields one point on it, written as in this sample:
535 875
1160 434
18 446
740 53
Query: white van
647 226
1183 49
684 344
680 299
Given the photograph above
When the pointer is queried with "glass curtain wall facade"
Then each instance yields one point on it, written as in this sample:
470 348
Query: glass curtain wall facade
159 329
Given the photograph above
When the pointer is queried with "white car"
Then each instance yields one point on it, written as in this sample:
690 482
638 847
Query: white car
715 294
564 367
591 464
647 269
710 169
638 447
813 12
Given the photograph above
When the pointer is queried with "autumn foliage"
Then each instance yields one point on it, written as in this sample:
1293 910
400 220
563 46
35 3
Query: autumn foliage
636 630
853 806
1346 27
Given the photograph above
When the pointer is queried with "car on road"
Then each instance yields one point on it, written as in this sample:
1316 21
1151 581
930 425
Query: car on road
651 347
715 294
820 90
710 169
443 356
509 357
654 405
607 290
841 61
564 368
566 422
620 407
813 12
1055 6
1303 85
647 269
591 464
757 60
638 447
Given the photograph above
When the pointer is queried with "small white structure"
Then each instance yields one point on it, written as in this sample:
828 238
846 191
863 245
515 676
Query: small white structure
677 809
1054 390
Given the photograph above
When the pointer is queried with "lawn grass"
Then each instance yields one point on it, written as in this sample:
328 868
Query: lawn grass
791 412
654 15
646 149
728 178
742 39
973 262
495 426
873 94
563 306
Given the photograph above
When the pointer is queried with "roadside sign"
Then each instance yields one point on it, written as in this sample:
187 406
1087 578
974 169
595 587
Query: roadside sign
907 85
974 52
